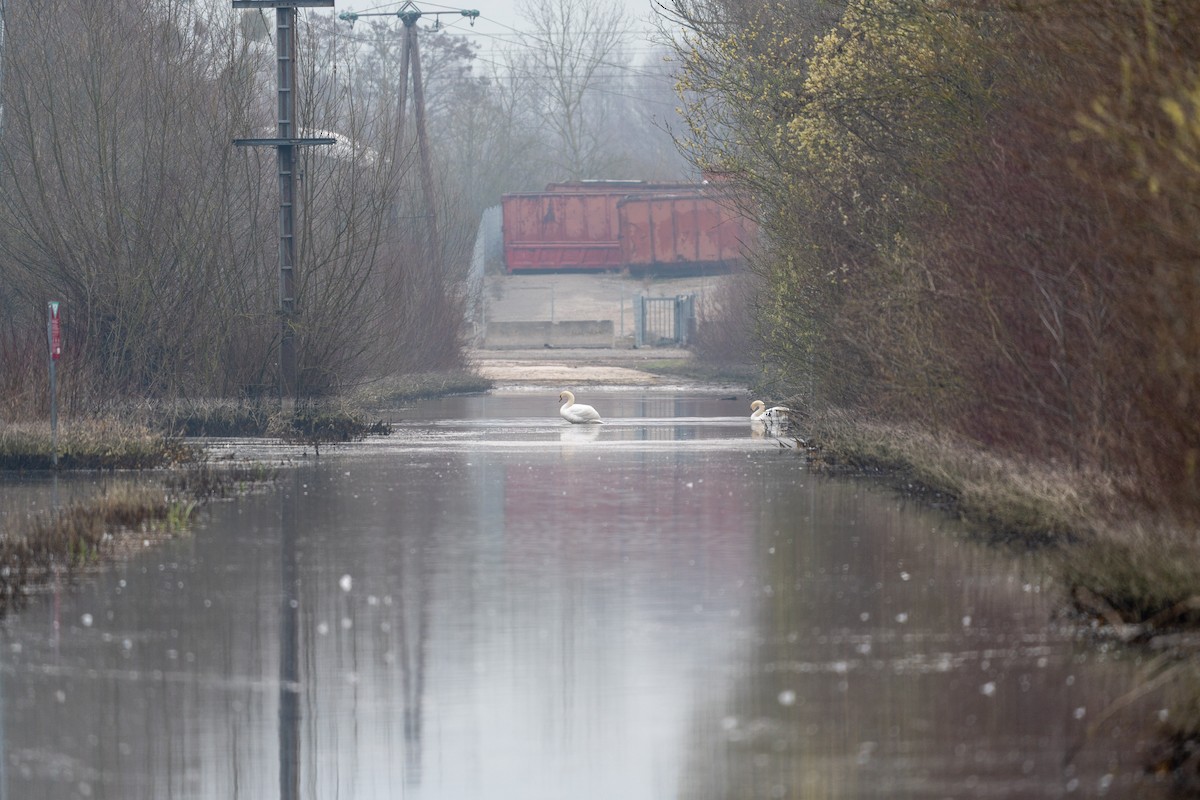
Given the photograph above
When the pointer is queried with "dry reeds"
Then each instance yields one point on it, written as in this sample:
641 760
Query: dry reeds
90 444
1011 499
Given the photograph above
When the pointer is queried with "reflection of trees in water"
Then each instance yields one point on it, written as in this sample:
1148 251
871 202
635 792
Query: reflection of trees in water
414 634
354 645
751 744
889 660
289 649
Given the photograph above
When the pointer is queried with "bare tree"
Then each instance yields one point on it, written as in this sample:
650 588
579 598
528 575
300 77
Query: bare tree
375 300
119 183
574 46
121 195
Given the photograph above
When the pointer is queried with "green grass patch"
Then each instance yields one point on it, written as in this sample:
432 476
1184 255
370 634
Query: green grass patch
1139 577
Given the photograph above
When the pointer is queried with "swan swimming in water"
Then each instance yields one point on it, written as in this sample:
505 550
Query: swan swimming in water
577 413
775 414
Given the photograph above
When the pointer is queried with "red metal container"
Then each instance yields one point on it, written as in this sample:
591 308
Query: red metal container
613 225
678 233
561 230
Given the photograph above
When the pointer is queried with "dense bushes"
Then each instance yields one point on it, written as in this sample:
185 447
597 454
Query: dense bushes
981 217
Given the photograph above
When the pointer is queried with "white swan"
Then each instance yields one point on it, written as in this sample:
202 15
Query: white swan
775 414
577 413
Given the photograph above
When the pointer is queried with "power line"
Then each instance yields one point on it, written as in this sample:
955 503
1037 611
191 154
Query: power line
621 71
519 38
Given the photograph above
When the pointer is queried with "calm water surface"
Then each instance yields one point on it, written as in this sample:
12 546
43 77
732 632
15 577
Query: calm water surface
490 603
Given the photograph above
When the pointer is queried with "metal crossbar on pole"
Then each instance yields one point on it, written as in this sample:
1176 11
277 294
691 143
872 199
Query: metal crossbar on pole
285 144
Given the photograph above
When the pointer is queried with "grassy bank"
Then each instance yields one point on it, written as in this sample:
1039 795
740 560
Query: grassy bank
89 444
1133 571
160 441
36 549
152 434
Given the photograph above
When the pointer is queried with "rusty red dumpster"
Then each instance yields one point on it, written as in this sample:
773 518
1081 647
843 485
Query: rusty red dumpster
613 225
684 232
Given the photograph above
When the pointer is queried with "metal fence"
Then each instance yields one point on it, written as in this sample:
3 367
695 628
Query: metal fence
663 321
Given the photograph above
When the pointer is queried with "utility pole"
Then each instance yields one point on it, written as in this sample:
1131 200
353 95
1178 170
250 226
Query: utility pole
410 58
285 142
2 10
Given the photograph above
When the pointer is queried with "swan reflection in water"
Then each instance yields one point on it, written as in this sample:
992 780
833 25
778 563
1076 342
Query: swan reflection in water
578 434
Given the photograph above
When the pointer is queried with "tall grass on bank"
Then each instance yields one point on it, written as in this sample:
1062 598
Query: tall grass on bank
89 444
1021 502
89 531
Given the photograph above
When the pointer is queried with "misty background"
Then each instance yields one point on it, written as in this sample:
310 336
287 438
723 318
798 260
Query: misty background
124 199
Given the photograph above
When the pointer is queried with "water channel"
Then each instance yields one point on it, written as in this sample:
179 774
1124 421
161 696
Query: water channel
491 603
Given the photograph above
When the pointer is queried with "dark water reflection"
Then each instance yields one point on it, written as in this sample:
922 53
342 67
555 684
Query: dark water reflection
492 604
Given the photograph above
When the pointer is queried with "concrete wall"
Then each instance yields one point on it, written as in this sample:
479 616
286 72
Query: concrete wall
567 333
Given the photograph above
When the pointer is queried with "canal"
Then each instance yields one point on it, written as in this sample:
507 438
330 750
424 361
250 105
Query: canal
491 603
